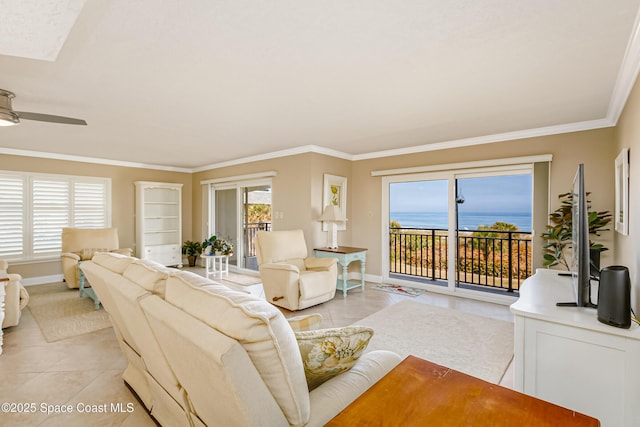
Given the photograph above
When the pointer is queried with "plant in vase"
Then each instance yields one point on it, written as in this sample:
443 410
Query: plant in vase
191 250
216 246
558 235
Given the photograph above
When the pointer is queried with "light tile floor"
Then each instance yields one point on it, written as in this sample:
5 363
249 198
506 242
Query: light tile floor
86 370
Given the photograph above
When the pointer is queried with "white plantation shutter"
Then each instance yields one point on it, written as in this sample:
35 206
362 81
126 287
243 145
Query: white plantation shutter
12 212
90 205
34 208
50 214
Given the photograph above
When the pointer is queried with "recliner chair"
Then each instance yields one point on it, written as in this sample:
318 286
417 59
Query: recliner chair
80 244
15 299
290 278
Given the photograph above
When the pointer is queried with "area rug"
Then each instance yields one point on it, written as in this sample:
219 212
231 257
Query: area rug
476 345
61 313
400 290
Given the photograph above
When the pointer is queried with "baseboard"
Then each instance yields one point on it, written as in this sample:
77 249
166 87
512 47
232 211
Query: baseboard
40 280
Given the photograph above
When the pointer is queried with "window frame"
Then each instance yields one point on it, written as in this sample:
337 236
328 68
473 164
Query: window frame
28 254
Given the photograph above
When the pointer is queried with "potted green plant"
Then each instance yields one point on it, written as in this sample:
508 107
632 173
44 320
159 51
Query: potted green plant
191 250
558 233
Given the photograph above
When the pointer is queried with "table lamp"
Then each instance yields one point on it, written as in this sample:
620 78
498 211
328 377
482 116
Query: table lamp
332 214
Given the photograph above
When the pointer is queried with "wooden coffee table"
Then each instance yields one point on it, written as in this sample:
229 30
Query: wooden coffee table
421 393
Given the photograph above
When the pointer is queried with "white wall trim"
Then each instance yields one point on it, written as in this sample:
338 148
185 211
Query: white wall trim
40 280
83 159
237 178
466 165
489 139
275 154
627 75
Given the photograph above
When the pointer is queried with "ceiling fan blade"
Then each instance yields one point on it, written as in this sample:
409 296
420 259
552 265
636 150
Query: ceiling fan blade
49 118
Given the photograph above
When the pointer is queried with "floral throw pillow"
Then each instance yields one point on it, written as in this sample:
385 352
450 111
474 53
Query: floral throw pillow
330 352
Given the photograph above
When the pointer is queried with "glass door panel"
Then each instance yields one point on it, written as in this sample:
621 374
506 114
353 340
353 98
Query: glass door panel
256 208
494 217
226 219
418 231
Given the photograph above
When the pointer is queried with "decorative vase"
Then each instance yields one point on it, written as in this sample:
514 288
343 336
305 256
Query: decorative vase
218 253
192 260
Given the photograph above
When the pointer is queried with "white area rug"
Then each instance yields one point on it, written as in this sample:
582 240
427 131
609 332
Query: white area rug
61 313
476 345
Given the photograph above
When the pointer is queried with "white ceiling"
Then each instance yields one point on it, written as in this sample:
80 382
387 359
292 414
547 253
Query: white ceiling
191 84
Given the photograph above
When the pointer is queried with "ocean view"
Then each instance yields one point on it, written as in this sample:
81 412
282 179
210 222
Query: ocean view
466 221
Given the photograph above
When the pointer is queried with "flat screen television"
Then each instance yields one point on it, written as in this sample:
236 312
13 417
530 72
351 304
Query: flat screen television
580 260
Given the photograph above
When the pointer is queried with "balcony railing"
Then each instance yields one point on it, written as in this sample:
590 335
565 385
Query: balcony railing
486 258
251 229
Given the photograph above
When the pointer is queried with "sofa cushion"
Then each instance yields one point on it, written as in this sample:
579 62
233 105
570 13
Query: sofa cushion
327 353
112 262
259 327
149 274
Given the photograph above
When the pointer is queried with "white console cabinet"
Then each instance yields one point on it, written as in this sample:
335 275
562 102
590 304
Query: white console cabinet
566 356
159 222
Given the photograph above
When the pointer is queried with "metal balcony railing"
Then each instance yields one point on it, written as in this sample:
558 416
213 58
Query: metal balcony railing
251 229
485 258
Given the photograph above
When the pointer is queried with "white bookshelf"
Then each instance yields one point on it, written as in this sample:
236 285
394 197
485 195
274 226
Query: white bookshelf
159 222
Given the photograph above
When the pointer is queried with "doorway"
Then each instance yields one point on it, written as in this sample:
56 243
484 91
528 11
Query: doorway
237 211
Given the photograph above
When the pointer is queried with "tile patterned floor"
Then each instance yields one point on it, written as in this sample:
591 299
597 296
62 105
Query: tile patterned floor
86 370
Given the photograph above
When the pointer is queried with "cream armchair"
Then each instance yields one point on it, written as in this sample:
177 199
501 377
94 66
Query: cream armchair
290 278
80 244
15 299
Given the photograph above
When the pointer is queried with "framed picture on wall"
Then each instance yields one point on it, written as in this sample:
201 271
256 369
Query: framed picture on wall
335 193
621 212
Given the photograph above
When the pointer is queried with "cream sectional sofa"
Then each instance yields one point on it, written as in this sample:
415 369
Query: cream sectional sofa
202 354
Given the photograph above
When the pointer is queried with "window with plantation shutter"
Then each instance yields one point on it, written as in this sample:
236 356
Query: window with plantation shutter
12 210
90 205
34 208
50 214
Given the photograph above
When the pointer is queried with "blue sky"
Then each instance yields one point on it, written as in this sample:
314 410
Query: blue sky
508 194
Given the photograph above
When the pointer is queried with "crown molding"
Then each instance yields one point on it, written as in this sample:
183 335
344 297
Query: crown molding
488 139
275 154
83 159
627 75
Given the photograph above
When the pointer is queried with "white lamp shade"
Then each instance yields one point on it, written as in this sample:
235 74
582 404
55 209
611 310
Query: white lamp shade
332 213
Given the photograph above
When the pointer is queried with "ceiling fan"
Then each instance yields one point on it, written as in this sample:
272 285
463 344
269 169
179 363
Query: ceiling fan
8 117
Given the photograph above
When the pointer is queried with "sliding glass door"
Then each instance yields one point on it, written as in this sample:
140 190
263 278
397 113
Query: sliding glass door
460 230
236 212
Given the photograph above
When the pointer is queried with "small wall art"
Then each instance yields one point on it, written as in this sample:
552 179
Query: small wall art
621 212
335 193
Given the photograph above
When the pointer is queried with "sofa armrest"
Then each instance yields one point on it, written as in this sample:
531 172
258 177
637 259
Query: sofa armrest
71 256
332 396
313 263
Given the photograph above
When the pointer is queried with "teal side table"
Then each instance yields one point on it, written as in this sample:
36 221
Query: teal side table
345 255
89 291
